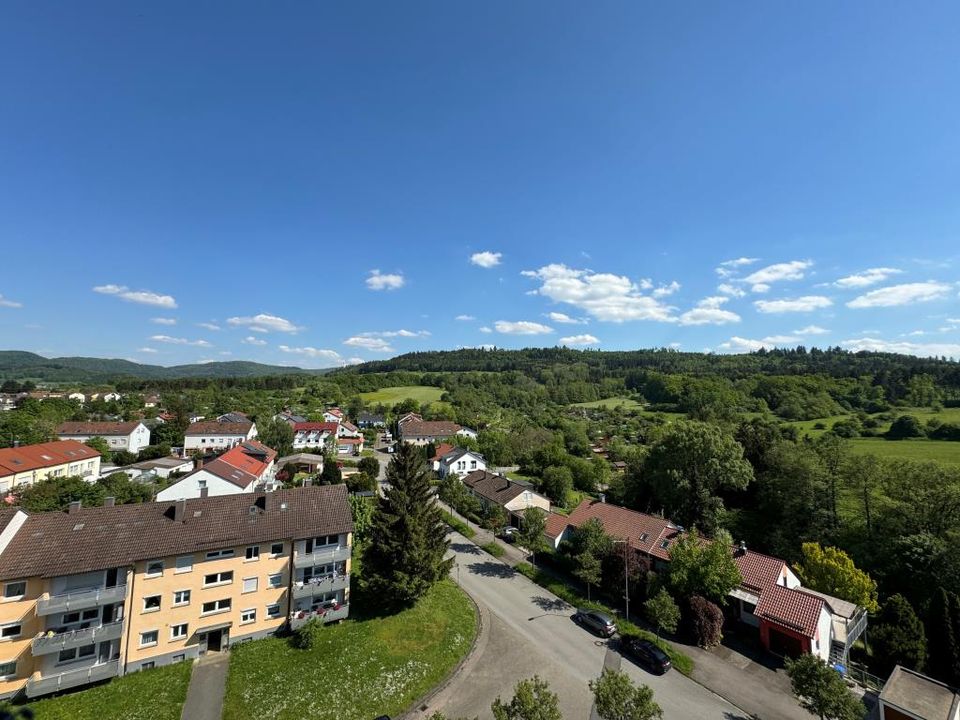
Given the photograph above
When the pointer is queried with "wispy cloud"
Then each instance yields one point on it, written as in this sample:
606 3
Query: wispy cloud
579 340
251 340
951 350
148 350
142 297
807 303
486 259
731 290
867 277
709 312
8 303
209 326
564 319
666 290
330 356
385 281
729 268
522 327
164 321
179 341
811 330
374 344
743 345
762 279
905 294
464 318
264 322
396 333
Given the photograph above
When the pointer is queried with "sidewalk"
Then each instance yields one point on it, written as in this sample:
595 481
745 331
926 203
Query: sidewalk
208 683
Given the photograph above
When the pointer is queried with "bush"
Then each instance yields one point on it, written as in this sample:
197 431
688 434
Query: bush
905 426
493 548
306 636
705 622
457 524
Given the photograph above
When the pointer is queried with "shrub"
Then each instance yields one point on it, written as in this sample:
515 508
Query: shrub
705 622
306 636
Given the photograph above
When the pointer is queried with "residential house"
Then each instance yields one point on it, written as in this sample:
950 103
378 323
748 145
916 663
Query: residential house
790 619
110 396
371 420
233 417
347 429
334 414
439 451
150 584
78 396
310 435
164 467
289 418
409 417
244 468
152 400
302 462
130 436
349 445
213 435
29 464
515 498
461 462
909 695
424 432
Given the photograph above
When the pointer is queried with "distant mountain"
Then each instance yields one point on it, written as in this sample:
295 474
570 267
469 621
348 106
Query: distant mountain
19 365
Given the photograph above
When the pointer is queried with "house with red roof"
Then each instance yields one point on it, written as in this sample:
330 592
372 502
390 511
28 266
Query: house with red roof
790 619
244 468
314 435
29 464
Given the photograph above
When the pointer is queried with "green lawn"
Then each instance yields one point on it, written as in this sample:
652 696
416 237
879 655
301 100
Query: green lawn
624 402
147 695
942 451
357 670
393 395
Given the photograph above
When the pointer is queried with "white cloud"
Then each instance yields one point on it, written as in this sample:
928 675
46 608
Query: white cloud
665 290
369 343
521 327
901 295
164 321
397 333
605 296
209 326
793 270
732 290
811 330
146 350
744 345
7 303
264 322
729 267
143 297
709 312
807 303
579 340
251 340
760 288
867 277
464 318
485 329
354 361
486 259
315 354
951 350
564 319
179 341
781 339
389 281
225 352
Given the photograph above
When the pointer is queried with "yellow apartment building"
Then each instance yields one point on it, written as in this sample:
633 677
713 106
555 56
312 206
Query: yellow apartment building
29 464
94 593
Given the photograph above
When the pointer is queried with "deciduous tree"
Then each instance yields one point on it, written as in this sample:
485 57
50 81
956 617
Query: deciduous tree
699 567
662 612
830 570
532 700
617 698
821 691
588 570
531 531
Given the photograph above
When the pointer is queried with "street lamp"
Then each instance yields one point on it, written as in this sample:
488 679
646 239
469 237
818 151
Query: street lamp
626 575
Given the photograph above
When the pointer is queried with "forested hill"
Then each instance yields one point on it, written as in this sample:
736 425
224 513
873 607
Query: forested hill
18 365
835 362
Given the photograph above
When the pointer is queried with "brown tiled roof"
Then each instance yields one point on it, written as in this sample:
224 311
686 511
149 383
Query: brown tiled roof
442 449
555 525
758 571
104 429
330 427
429 428
226 471
791 608
495 488
645 532
42 455
61 543
212 427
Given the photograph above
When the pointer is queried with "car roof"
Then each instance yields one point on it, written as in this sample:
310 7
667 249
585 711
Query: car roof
600 615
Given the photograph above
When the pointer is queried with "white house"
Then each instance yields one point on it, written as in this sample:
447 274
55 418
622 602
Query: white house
79 396
111 396
424 432
314 434
129 436
162 467
461 462
333 415
213 435
243 469
491 489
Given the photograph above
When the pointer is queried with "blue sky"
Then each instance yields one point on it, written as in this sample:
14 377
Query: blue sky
316 183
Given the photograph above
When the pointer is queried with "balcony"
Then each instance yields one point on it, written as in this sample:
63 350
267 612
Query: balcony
317 586
46 644
81 599
323 556
72 678
300 618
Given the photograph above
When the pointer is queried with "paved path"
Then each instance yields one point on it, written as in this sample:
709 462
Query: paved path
208 682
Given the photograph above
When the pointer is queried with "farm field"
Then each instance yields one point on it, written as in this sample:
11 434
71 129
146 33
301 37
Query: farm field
942 451
393 395
626 403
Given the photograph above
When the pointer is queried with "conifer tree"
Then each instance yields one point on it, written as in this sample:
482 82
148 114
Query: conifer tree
943 661
898 638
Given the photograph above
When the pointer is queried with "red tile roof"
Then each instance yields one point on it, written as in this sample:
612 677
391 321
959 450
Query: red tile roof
758 571
330 427
555 525
103 429
792 608
245 457
442 449
429 428
43 455
645 532
350 441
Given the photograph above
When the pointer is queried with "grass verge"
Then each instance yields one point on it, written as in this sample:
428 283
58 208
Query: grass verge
682 662
356 670
146 695
493 548
457 524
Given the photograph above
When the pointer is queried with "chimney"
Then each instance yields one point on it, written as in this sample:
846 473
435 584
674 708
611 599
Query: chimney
307 482
74 507
180 510
743 547
109 501
204 492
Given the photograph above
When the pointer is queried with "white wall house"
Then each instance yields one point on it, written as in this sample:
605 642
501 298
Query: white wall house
212 435
308 435
460 462
129 436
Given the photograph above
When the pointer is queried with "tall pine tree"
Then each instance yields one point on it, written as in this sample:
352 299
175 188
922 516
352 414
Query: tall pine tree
943 660
897 637
405 556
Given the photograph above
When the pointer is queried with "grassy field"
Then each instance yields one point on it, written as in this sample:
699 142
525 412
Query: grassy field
393 395
147 695
357 670
941 451
626 403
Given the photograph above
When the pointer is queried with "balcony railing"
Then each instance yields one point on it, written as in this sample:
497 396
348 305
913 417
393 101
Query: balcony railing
322 556
45 644
302 617
72 678
81 599
317 586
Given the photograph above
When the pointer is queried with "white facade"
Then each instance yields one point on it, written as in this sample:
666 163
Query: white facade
528 499
467 432
460 464
77 396
217 440
192 485
134 442
304 439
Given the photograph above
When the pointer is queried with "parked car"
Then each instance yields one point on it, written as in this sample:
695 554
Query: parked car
596 621
645 653
509 534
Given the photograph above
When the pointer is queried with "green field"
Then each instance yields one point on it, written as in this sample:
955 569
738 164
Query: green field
147 695
357 670
625 403
393 395
923 450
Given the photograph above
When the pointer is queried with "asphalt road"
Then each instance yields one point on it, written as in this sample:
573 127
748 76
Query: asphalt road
531 632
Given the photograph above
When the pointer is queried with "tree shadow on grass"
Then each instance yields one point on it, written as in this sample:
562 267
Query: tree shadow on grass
550 604
466 548
491 569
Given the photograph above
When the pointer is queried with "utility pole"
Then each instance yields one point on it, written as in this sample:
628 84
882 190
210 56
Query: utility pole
626 575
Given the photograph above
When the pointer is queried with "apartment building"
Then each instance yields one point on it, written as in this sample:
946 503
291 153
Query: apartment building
29 464
130 436
94 593
214 435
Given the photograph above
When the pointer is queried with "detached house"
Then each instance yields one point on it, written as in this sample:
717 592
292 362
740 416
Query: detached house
512 496
314 434
129 436
459 461
370 420
247 467
424 432
213 435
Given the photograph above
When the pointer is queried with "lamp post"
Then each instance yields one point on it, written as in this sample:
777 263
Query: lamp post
626 575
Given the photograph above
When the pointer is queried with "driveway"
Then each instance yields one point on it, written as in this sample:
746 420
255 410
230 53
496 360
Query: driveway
530 632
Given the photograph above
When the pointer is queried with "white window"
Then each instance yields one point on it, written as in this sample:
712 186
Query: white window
276 549
181 597
273 611
218 578
80 653
8 669
10 631
154 569
151 603
215 606
15 590
178 632
214 554
184 564
249 585
148 638
275 580
248 616
253 552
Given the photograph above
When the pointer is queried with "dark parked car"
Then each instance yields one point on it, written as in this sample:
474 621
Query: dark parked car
595 621
645 653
